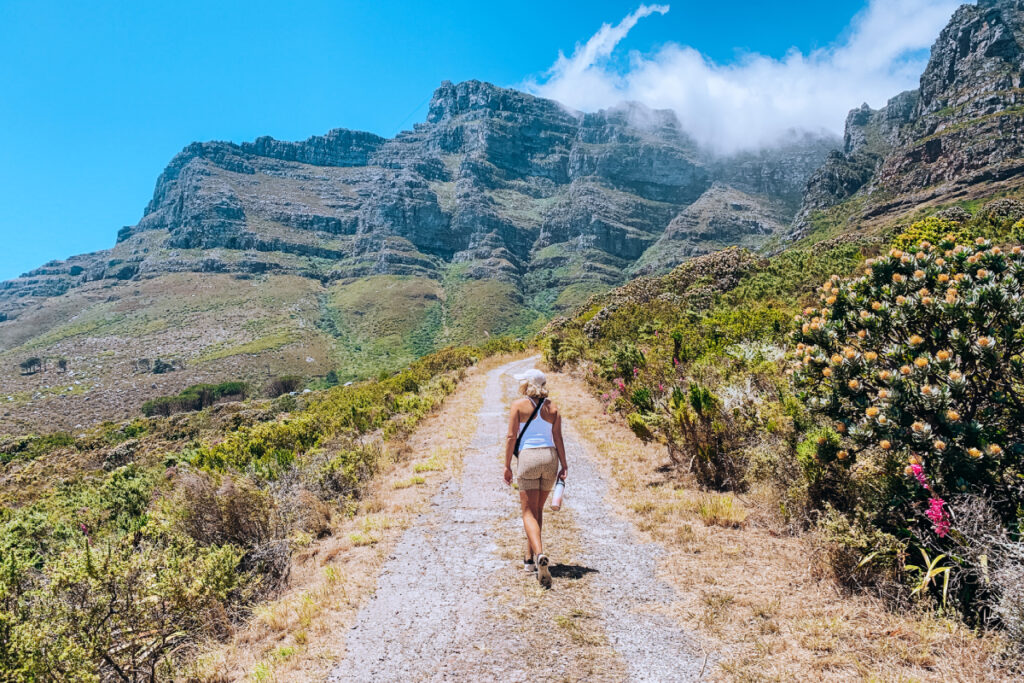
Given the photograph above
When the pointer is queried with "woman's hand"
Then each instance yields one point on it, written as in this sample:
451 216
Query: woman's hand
508 475
565 470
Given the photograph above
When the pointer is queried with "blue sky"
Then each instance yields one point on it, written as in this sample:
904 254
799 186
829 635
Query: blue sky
95 98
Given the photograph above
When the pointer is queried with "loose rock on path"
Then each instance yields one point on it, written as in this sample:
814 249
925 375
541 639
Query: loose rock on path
453 604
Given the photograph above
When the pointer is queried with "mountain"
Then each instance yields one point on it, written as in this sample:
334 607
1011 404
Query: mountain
956 139
354 252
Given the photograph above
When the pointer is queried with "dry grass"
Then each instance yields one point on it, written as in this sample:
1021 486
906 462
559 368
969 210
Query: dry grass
722 510
300 635
756 598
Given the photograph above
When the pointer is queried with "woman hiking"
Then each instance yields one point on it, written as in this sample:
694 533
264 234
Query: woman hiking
535 423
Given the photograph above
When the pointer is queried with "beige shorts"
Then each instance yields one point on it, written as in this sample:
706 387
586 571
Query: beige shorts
538 468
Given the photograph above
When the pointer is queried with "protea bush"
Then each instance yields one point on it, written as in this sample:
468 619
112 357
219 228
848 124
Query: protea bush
917 365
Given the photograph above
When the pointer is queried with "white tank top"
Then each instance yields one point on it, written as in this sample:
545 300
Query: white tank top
538 433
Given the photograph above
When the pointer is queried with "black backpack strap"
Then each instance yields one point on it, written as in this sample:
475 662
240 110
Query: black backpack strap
536 409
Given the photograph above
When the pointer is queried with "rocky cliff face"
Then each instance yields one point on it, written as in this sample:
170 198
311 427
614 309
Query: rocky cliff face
960 135
497 183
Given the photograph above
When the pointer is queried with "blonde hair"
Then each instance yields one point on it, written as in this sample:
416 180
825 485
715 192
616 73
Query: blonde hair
532 388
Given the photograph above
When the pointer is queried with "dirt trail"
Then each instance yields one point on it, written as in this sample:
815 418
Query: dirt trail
451 602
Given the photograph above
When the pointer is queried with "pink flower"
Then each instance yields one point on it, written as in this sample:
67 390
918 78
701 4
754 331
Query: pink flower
675 361
938 516
636 371
661 387
919 475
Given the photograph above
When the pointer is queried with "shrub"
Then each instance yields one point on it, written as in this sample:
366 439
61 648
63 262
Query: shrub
32 447
30 366
284 384
933 229
639 426
918 365
565 350
195 397
161 366
624 360
699 430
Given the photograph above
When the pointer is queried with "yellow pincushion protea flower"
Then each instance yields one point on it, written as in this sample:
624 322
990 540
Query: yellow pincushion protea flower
842 455
872 411
943 277
883 393
918 274
898 278
940 262
884 443
850 353
927 300
871 356
982 273
918 427
908 470
939 445
914 460
916 340
827 372
901 300
952 415
896 253
994 449
974 453
986 342
921 362
905 370
1016 251
831 299
840 427
876 305
928 390
836 359
956 376
943 355
885 375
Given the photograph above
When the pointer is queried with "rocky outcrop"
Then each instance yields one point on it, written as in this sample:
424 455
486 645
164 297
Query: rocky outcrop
723 216
959 132
505 185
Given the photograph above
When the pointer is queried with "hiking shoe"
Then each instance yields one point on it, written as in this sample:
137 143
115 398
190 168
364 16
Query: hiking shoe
543 573
529 565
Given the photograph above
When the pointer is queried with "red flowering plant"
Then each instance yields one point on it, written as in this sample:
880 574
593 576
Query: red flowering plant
918 363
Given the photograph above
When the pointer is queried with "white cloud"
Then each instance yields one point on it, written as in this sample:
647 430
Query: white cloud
757 99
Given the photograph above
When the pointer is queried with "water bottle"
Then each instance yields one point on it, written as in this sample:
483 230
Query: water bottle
556 495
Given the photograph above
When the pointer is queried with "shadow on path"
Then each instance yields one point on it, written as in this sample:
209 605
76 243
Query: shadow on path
571 571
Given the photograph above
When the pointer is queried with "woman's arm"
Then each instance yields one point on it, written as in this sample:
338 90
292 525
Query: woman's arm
556 434
510 440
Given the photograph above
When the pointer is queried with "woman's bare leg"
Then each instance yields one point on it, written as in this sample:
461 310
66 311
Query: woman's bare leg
530 523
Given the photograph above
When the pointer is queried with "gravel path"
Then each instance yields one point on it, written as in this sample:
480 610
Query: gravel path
431 617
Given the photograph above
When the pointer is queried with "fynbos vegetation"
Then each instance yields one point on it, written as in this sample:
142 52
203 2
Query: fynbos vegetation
116 572
882 409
